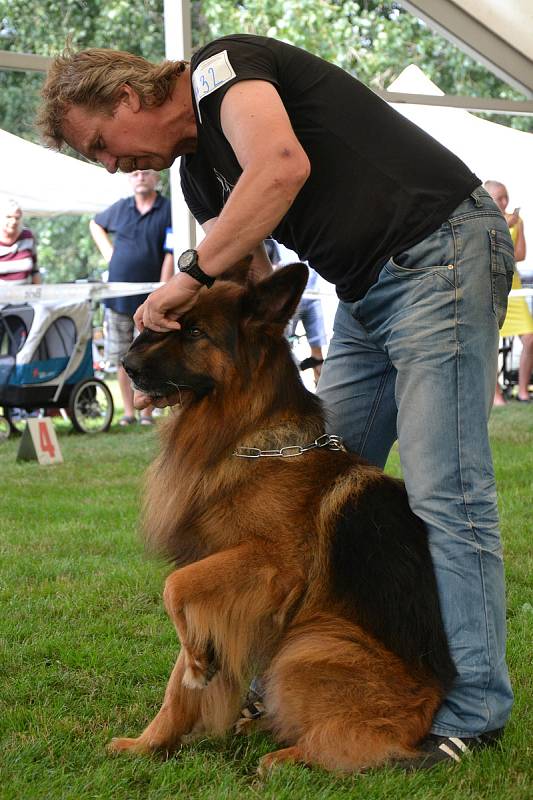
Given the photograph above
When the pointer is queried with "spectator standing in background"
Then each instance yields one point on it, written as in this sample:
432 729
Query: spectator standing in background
18 256
136 254
518 321
308 312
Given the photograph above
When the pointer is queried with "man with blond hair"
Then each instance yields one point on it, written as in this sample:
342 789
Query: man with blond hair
18 256
277 142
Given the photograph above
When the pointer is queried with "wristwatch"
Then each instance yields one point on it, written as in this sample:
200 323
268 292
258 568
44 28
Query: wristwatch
188 263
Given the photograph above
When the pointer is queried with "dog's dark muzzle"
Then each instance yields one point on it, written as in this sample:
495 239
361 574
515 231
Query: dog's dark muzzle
142 368
137 373
141 358
132 366
158 371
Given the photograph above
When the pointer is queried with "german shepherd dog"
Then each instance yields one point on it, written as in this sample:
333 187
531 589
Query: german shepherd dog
294 559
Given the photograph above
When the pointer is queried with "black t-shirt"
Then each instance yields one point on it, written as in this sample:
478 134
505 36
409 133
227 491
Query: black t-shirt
138 246
378 183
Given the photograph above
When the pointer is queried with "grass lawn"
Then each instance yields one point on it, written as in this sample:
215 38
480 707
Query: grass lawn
86 648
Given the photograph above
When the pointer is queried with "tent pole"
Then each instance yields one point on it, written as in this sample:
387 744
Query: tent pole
177 21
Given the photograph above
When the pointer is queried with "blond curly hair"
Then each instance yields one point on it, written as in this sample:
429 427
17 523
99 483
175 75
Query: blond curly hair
93 79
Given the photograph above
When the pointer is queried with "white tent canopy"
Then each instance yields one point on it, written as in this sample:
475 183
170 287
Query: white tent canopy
46 182
492 151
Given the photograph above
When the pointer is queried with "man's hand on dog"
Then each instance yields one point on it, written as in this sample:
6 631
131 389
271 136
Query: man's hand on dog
162 309
160 312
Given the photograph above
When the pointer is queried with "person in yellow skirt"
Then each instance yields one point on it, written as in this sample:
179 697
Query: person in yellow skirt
518 321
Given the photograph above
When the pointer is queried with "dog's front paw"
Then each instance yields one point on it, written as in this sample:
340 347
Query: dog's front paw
266 766
289 755
123 745
139 746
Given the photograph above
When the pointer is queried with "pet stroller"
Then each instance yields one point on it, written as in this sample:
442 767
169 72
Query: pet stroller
46 362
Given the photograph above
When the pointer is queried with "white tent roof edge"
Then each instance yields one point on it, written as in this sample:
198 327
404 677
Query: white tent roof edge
468 27
178 46
488 105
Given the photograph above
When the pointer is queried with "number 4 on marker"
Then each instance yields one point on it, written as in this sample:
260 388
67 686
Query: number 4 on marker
45 442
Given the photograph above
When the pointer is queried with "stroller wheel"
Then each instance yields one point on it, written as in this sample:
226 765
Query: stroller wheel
17 418
5 429
91 406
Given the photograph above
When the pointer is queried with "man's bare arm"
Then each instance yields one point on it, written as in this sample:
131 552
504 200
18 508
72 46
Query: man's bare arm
101 240
260 266
167 268
520 244
275 167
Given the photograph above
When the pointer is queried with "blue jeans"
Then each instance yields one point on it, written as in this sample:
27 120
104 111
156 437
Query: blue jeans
415 360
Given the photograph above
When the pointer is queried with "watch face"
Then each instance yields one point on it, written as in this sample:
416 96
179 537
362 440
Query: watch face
187 259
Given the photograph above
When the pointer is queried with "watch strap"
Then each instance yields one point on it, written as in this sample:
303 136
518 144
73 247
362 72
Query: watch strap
196 272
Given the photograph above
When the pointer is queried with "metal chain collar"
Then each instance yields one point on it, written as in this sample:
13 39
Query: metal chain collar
328 440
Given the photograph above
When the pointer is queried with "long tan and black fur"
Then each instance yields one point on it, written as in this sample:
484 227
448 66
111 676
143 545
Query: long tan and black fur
311 571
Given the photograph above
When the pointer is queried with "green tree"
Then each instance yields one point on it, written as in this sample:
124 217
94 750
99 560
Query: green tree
373 40
65 248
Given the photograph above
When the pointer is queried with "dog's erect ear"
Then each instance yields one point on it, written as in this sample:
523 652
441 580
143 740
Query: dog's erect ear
239 272
275 298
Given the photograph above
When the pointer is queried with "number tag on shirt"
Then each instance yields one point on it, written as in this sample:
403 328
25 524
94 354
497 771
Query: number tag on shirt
210 75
